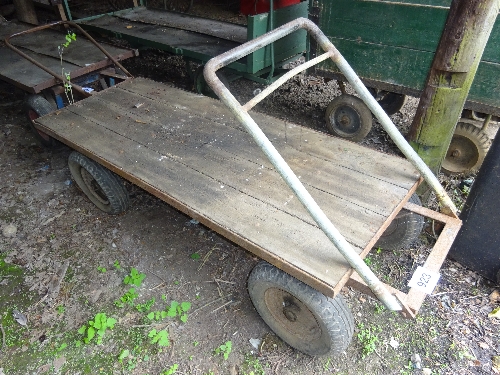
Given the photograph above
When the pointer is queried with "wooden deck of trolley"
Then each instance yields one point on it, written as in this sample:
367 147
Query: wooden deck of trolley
191 152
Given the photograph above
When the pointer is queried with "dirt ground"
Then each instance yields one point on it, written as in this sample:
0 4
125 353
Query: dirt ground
62 262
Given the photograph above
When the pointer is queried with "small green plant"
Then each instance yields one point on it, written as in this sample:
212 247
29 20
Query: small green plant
127 298
160 338
252 366
368 338
171 370
68 88
368 260
131 361
146 306
52 236
135 278
196 343
157 315
97 326
379 250
179 309
61 309
101 269
116 264
224 349
195 256
62 347
379 308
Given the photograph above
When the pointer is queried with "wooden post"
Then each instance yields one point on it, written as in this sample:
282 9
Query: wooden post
459 52
25 11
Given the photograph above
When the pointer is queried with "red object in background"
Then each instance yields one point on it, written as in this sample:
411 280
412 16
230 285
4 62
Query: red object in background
252 7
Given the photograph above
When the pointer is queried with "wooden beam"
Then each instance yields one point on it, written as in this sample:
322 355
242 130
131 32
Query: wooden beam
459 52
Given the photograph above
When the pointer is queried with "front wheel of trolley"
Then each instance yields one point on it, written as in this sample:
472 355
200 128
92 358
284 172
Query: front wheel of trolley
301 316
100 185
348 117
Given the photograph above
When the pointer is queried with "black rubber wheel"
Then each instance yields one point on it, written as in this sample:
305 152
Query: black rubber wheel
202 87
37 106
403 230
467 150
390 102
301 316
100 185
347 116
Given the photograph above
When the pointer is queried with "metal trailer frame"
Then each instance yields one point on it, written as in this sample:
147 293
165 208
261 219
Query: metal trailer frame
360 276
364 278
81 72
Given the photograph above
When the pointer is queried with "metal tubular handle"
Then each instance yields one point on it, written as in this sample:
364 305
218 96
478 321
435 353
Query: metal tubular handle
30 59
282 167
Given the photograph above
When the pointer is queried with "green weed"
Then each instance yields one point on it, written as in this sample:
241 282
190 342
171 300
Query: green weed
97 326
224 350
135 278
160 338
146 306
127 298
117 266
251 366
101 269
171 370
368 338
60 309
179 309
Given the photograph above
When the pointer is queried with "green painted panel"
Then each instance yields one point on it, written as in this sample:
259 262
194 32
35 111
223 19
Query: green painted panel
384 23
408 68
395 41
284 48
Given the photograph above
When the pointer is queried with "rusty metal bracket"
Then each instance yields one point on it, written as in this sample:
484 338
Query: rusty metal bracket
76 87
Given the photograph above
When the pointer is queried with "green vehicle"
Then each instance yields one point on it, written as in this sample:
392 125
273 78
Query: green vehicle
391 45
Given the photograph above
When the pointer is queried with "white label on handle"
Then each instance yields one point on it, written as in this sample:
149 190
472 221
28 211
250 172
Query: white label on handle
424 280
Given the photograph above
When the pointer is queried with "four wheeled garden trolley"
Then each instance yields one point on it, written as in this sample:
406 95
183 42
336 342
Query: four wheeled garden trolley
224 170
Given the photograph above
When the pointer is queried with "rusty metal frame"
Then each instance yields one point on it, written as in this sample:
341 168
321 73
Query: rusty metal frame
413 300
79 72
392 299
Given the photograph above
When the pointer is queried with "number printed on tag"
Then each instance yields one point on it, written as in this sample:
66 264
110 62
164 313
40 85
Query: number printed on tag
424 280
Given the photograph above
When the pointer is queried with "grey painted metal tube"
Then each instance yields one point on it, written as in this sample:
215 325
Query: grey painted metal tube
280 164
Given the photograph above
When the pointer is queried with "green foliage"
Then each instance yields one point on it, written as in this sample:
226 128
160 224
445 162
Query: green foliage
116 264
368 338
61 309
195 256
179 309
70 37
97 326
171 370
101 269
224 349
146 306
157 315
160 337
135 278
368 260
127 298
62 347
251 366
131 362
379 308
123 354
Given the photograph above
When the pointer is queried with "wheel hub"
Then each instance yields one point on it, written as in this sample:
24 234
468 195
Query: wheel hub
292 314
94 188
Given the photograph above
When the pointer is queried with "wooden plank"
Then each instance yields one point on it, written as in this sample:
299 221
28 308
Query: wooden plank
20 72
278 234
161 37
198 141
173 160
219 29
319 145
